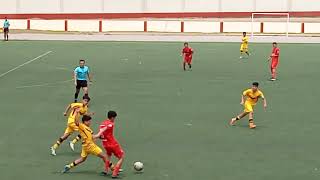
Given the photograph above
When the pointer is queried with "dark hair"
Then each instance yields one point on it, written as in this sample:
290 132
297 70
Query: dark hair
112 114
86 97
82 60
86 118
274 43
244 33
255 84
185 43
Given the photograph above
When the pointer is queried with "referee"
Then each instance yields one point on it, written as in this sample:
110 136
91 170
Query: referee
81 74
6 25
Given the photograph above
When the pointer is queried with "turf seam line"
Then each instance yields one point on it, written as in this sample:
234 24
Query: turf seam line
25 63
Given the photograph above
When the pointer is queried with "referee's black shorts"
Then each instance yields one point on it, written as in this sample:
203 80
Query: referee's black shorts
6 30
81 83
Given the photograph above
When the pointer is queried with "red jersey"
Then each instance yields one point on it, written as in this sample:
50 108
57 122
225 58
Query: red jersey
187 51
275 53
107 136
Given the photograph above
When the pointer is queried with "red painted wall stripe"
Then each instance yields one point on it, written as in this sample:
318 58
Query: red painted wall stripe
28 24
65 25
145 26
221 27
100 26
182 26
261 27
302 27
151 15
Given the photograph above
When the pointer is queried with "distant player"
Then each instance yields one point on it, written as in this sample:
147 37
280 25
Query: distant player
252 95
71 126
244 45
187 53
88 143
274 61
6 26
81 74
109 142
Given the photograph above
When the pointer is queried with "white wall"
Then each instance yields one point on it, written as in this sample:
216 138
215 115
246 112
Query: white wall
140 6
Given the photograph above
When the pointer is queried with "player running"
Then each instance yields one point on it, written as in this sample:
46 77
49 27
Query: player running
244 45
252 95
81 74
88 144
187 53
71 126
109 142
274 61
6 26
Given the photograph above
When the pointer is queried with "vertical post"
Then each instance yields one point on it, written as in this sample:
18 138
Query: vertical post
221 26
287 28
145 26
100 25
261 27
252 16
65 25
182 26
28 24
302 27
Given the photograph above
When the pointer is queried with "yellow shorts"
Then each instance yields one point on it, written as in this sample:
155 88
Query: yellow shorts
244 48
94 150
71 128
248 107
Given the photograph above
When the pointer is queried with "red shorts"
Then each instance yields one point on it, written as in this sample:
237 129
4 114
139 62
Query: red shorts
274 63
188 60
114 149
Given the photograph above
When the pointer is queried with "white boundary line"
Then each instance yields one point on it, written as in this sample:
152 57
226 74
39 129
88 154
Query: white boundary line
38 57
44 84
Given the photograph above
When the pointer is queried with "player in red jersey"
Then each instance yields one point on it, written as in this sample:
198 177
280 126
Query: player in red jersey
274 61
109 142
187 55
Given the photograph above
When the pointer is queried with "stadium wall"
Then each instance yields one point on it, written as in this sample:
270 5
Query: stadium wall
204 16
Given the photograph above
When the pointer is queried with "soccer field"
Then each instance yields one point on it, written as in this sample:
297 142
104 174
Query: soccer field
175 122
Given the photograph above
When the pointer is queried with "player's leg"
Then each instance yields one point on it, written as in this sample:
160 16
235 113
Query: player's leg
247 52
59 141
4 34
74 141
7 34
240 116
241 51
76 94
85 91
189 63
84 155
184 65
251 123
119 153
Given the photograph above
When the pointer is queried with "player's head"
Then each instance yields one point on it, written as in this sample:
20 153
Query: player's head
186 44
85 99
86 120
255 86
112 115
82 62
244 34
274 44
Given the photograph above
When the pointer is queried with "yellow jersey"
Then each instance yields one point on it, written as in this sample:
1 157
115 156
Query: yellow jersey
72 115
252 97
86 135
245 40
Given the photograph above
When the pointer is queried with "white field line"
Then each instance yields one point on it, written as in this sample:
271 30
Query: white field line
44 84
30 61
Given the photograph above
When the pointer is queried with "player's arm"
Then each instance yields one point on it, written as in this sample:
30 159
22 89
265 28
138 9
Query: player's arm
264 101
242 99
75 77
89 113
67 110
102 130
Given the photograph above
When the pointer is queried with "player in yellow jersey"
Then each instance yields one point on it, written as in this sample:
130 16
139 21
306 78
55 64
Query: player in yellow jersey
252 95
244 45
71 126
88 143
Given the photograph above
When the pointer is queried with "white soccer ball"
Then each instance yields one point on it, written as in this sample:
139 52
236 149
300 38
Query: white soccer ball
138 166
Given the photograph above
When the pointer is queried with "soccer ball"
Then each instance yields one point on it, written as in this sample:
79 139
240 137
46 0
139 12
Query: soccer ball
138 166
